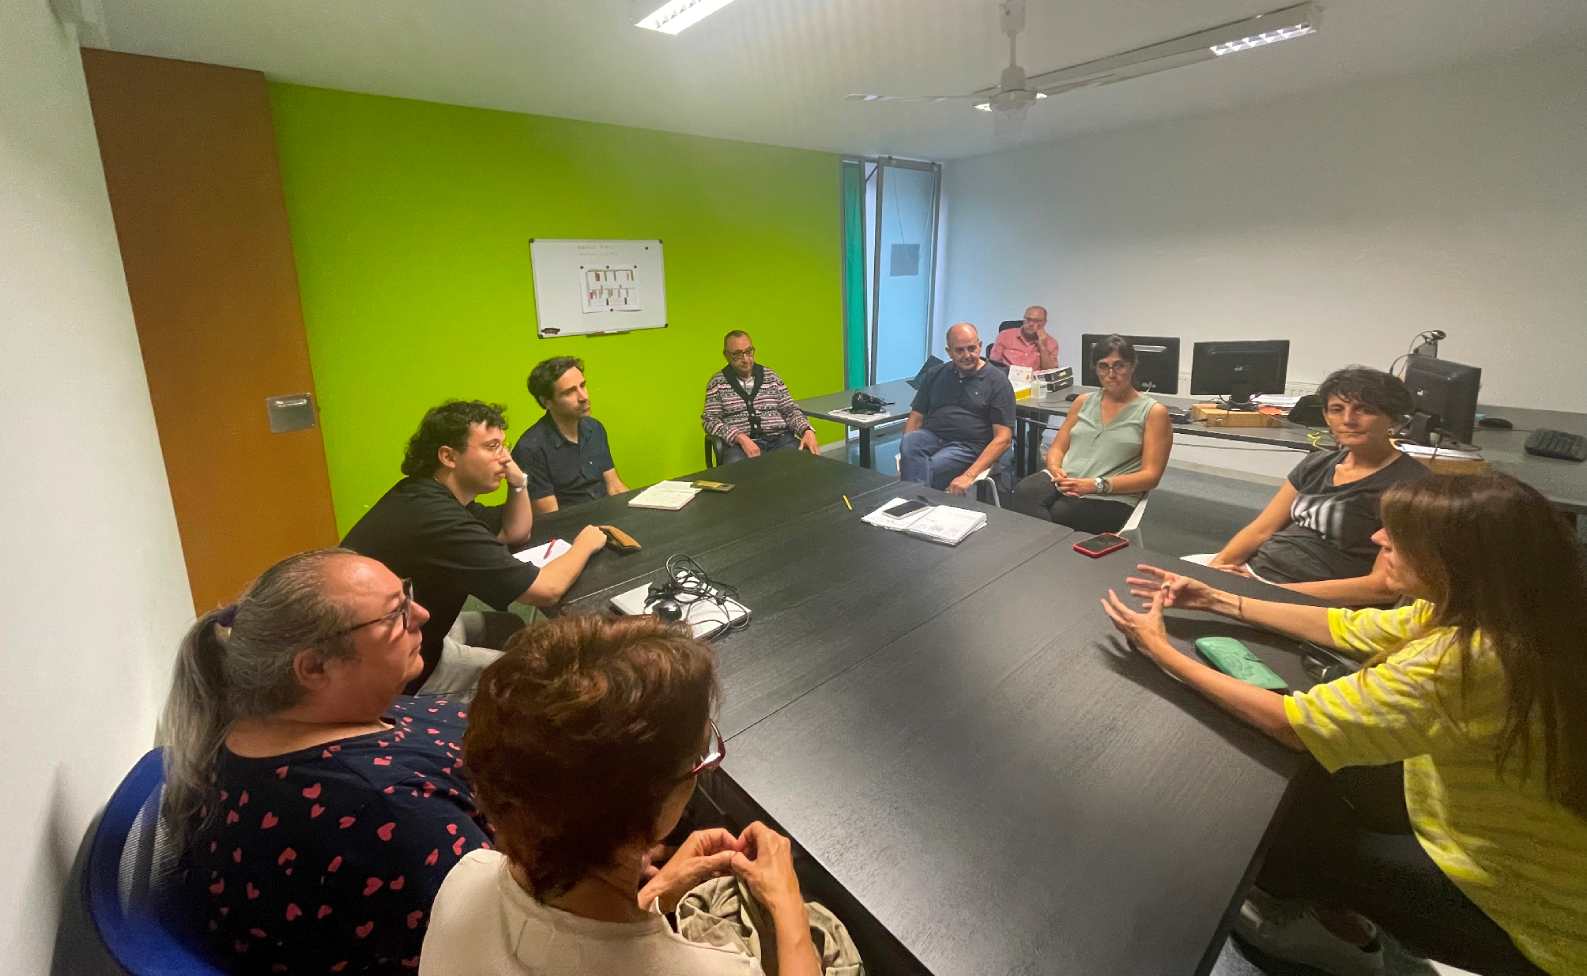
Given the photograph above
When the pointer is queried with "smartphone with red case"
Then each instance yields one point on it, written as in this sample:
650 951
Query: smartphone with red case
1100 545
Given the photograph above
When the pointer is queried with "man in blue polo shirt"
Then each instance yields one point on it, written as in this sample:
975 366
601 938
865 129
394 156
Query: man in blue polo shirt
961 420
565 453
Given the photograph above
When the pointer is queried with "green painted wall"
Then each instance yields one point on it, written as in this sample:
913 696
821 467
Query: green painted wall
411 224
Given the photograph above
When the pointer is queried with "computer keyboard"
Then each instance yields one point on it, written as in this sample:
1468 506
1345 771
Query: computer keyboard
1557 444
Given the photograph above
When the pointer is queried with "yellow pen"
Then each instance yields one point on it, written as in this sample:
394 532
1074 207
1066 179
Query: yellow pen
848 504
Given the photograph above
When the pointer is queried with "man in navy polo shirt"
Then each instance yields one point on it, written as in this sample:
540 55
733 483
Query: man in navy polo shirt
565 453
961 420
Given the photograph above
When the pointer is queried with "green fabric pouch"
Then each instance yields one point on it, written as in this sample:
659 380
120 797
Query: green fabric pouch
1237 661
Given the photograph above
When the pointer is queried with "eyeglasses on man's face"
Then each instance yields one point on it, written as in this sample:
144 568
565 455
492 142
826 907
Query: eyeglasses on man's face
404 612
747 352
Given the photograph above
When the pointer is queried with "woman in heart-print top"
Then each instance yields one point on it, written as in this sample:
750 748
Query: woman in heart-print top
318 810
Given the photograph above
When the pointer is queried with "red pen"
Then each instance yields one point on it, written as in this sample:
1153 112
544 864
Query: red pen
549 547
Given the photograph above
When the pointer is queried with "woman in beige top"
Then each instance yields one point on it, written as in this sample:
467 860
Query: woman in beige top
584 745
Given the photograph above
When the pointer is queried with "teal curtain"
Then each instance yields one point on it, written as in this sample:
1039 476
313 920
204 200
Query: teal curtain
854 324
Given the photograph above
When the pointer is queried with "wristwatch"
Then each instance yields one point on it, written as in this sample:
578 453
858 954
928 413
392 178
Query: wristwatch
1102 486
513 489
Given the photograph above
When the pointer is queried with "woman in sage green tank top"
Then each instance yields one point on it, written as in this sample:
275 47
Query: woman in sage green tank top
1110 451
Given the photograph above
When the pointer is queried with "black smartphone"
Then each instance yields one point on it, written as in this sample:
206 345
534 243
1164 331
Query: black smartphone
912 505
1101 545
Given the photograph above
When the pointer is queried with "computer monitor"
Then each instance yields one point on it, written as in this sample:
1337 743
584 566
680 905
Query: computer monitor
1445 395
1239 370
1156 362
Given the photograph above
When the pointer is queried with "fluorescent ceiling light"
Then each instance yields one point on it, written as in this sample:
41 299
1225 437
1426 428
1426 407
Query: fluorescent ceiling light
676 16
1266 37
1297 20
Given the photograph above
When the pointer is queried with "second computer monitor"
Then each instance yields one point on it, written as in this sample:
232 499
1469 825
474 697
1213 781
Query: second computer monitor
1445 393
1239 370
1156 362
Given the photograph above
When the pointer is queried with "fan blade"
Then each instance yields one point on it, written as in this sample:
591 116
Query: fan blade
866 97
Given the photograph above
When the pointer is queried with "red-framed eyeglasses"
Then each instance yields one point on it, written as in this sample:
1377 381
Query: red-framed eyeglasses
713 758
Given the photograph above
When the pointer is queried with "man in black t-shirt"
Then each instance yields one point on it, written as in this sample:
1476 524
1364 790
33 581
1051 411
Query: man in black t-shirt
565 453
428 528
961 421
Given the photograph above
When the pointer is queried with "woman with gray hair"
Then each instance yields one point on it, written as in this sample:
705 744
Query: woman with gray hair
317 809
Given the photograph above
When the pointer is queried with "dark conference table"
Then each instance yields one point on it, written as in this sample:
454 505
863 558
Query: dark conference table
955 738
1564 483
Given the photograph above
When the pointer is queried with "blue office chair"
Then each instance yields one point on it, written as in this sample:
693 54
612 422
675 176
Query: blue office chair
129 863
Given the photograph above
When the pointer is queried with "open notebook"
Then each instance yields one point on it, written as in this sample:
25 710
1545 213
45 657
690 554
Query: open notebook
669 495
938 523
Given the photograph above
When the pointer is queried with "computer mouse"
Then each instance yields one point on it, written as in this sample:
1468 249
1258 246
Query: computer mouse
667 609
1495 423
1071 397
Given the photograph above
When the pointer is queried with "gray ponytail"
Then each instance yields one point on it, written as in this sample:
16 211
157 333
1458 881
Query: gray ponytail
237 662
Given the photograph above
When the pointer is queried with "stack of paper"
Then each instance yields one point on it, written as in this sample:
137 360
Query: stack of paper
670 495
846 414
939 523
946 524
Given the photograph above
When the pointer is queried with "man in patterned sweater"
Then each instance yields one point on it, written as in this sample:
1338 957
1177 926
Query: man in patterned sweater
748 408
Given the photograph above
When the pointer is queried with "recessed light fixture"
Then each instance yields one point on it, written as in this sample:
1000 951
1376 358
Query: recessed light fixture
676 16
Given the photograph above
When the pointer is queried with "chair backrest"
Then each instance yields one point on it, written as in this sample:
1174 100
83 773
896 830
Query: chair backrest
1007 324
129 864
930 366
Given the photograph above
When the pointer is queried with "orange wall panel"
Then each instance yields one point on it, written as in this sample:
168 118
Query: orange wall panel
190 162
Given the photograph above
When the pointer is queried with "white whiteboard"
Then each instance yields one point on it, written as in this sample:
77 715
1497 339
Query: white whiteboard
592 287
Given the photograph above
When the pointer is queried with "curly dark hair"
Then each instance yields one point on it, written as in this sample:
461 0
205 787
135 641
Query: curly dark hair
1382 392
447 426
579 732
543 378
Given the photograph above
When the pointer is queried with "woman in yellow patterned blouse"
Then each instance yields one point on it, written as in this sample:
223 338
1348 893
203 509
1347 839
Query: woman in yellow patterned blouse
1479 687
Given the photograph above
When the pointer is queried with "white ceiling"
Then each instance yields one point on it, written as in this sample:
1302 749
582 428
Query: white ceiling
776 71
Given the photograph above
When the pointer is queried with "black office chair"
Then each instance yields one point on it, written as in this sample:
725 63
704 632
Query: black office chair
926 369
710 451
1003 326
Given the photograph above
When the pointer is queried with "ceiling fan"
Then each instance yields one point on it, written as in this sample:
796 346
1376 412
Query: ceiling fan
1016 92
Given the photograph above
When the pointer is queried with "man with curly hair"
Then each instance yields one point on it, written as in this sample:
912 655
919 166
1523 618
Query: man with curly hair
428 528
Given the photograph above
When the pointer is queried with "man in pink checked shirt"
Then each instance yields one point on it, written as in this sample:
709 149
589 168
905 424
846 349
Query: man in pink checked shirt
1028 345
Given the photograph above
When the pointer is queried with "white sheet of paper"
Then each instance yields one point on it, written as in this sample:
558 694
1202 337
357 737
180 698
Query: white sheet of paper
538 556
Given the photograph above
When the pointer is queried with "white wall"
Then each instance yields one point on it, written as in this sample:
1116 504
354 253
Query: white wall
93 593
1345 221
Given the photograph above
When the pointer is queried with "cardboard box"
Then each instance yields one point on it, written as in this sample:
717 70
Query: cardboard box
1218 417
